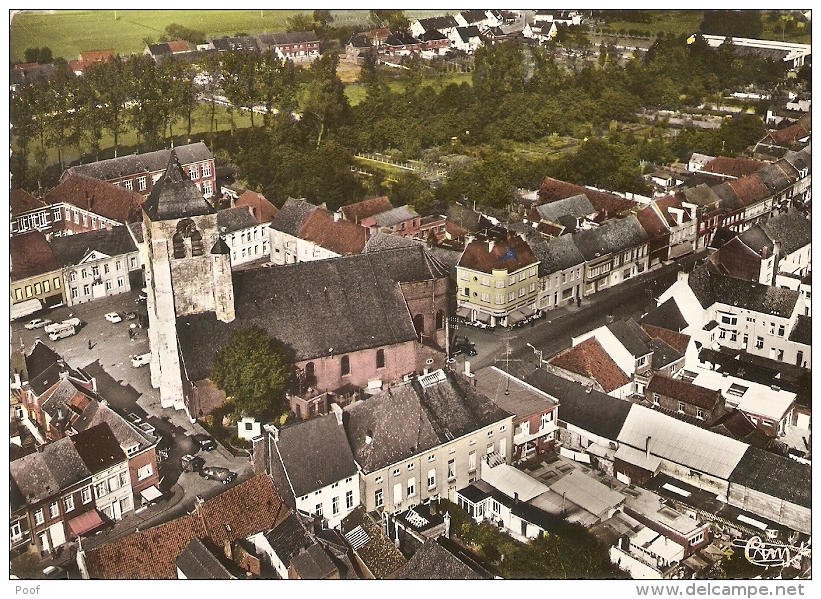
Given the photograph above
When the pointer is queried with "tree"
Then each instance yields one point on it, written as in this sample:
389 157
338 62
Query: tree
175 31
395 20
252 370
324 95
39 55
324 18
301 22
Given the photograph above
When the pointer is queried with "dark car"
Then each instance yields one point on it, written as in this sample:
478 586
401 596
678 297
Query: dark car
191 463
205 442
462 345
223 475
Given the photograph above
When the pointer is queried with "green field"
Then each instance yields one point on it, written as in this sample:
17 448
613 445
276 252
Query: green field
669 21
68 32
356 92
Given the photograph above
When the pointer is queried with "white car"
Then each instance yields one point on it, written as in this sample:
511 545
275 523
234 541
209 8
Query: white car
141 360
113 317
37 323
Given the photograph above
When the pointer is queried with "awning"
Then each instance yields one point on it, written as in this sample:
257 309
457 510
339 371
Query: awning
515 317
151 493
483 317
85 522
463 312
681 249
527 311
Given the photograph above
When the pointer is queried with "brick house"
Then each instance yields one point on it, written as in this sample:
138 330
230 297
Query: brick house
365 209
298 46
589 363
675 396
400 221
261 208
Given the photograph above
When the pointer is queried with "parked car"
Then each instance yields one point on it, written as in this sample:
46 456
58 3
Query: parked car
113 317
130 315
56 326
223 475
462 345
54 573
141 360
37 323
62 331
205 442
191 463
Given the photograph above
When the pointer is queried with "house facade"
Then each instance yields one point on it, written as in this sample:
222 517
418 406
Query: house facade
676 396
35 272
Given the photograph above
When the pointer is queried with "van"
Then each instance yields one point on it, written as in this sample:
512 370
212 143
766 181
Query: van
56 326
62 332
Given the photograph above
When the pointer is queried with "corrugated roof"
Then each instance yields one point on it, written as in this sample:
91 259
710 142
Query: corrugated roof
681 443
775 476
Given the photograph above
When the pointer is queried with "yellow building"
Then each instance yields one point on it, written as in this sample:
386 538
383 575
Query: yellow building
35 272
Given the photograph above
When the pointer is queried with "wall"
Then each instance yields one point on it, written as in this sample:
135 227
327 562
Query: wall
47 287
146 457
780 511
113 282
324 497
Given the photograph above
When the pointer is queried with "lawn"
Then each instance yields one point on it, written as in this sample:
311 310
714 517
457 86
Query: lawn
669 21
68 32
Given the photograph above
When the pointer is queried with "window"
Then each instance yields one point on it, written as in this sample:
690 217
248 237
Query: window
496 507
206 169
346 365
141 186
499 299
532 287
642 361
349 500
511 280
759 342
144 472
194 171
451 469
207 190
318 509
411 487
431 479
656 398
522 276
465 291
85 495
722 333
489 448
522 291
95 271
38 289
125 504
335 506
532 272
411 466
86 290
490 433
472 461
511 296
18 294
728 319
397 493
377 498
486 281
772 328
117 265
485 297
781 330
463 276
16 531
700 414
56 283
377 480
395 472
53 510
380 358
28 291
120 282
500 283
127 184
681 406
38 517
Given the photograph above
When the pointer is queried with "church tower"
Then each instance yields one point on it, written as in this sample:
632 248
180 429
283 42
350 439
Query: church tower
188 271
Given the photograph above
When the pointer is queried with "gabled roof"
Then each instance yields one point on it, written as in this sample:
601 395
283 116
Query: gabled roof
799 160
466 33
590 359
711 287
22 201
175 195
433 561
70 250
366 208
802 330
46 473
395 216
148 162
234 219
401 39
510 254
473 16
100 197
576 205
466 218
261 208
340 236
608 204
197 563
791 229
319 308
288 538
700 195
443 22
557 254
756 239
247 508
388 241
292 216
244 43
652 221
99 448
733 167
749 190
589 410
433 35
686 392
314 563
315 453
775 476
282 38
674 339
404 421
666 316
631 336
736 259
378 553
31 255
788 135
774 178
127 435
57 401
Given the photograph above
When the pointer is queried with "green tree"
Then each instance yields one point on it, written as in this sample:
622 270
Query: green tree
39 55
108 80
324 101
300 22
323 18
395 20
252 370
174 31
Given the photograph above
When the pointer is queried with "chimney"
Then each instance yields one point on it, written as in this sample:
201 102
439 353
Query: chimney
447 525
94 384
764 252
647 448
467 368
337 412
682 276
368 437
588 388
63 375
490 244
337 216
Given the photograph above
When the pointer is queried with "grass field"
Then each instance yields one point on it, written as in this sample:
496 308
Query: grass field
669 21
68 32
356 92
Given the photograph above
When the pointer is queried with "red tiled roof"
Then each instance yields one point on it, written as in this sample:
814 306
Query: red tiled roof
31 255
343 236
366 208
686 392
95 55
734 167
262 209
22 201
178 46
509 254
248 508
788 134
749 189
609 204
99 197
737 260
589 359
652 222
549 229
678 341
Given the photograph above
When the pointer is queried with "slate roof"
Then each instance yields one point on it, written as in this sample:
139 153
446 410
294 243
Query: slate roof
45 473
466 218
366 208
510 254
378 553
800 160
175 195
590 359
773 178
410 419
292 215
127 435
99 197
802 330
316 308
315 453
395 216
247 508
70 250
30 256
701 195
608 204
387 241
473 16
756 238
734 167
558 254
313 563
710 287
623 233
664 354
234 219
432 35
631 336
244 43
282 38
401 39
288 538
439 23
576 205
22 201
791 229
686 392
728 199
592 411
432 561
40 358
666 316
465 33
197 563
775 476
146 163
98 447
